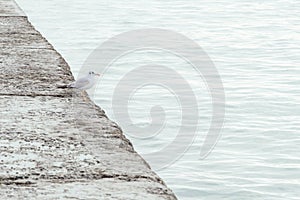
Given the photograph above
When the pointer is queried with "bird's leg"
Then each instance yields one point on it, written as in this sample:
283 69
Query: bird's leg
84 96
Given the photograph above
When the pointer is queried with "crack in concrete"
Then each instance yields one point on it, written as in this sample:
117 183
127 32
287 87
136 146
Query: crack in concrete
38 95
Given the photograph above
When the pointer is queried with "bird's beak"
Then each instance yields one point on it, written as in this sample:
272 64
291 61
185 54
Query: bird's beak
97 74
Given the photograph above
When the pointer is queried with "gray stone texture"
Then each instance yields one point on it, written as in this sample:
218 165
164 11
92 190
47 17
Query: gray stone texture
49 149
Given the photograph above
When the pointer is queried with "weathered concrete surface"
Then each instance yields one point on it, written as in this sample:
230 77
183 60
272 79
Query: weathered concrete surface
10 8
48 149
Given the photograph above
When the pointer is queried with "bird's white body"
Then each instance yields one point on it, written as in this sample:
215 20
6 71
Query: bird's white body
86 82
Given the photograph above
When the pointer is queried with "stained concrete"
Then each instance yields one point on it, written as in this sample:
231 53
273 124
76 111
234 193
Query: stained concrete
48 149
10 8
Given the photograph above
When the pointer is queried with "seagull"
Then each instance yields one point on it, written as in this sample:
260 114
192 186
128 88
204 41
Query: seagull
83 83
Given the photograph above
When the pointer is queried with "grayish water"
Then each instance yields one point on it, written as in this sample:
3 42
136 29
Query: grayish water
255 47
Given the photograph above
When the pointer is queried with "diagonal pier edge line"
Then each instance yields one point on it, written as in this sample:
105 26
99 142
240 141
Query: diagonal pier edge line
45 131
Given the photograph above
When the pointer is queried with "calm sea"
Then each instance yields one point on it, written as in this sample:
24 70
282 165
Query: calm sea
255 46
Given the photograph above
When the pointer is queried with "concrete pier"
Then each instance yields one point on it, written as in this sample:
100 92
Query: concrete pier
48 149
